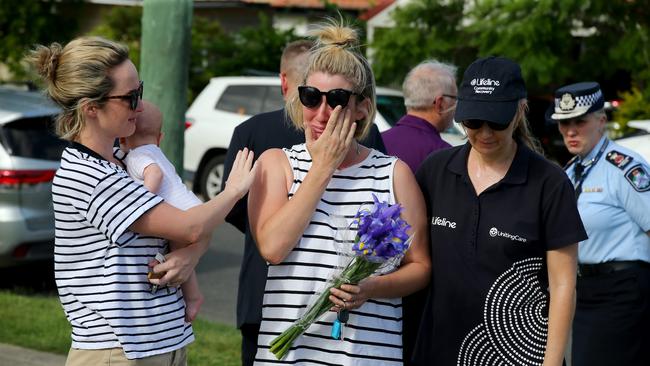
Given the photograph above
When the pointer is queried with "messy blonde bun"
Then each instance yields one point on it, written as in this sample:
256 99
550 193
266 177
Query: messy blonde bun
337 37
47 60
76 75
337 52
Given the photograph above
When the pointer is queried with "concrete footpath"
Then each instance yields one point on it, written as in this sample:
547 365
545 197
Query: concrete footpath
18 356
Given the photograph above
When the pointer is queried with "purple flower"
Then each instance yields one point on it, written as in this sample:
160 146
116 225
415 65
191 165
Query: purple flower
381 232
381 235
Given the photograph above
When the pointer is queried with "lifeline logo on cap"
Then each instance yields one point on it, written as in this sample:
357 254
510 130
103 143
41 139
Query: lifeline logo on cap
576 100
484 86
490 91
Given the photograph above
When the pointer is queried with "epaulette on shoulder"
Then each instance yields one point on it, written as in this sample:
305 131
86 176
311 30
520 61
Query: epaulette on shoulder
618 159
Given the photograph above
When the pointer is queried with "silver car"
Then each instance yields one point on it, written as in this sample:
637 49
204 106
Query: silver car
29 156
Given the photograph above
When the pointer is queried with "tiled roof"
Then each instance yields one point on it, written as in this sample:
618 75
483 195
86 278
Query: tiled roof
317 4
376 9
360 5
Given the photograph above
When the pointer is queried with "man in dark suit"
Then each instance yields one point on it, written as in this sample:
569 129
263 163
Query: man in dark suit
260 133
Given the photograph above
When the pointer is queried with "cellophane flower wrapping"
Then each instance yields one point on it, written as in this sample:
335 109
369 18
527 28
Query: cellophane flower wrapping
375 242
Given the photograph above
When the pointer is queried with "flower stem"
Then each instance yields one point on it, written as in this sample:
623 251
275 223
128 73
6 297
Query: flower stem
356 270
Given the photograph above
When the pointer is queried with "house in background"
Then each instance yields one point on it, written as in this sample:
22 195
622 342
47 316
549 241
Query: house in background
233 15
380 16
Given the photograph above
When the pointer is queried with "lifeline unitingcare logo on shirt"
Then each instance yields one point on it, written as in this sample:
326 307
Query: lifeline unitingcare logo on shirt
496 232
443 221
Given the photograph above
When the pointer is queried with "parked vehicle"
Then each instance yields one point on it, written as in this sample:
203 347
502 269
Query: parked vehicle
639 139
227 101
29 156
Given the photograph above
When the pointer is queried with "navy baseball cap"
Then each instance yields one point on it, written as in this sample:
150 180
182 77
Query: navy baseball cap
575 100
490 91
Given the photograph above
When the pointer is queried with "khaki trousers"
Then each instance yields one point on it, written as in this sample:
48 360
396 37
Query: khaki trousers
116 357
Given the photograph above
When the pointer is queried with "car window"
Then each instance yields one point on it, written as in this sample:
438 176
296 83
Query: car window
32 138
453 130
391 107
242 99
273 100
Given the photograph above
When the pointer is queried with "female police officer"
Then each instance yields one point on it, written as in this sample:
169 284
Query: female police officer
504 229
612 320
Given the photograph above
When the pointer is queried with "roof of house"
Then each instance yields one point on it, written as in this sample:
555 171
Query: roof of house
376 9
317 4
309 4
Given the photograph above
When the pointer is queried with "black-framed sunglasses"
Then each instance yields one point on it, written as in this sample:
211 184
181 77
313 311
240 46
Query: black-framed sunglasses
133 97
475 124
311 97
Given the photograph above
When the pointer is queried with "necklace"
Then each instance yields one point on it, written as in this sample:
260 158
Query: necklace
358 148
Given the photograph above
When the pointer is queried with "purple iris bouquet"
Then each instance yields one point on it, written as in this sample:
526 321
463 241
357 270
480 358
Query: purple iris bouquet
380 238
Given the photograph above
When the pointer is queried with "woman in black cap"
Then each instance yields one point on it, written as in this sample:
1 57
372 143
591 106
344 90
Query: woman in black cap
504 233
613 193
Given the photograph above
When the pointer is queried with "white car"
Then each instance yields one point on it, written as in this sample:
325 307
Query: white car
640 142
227 101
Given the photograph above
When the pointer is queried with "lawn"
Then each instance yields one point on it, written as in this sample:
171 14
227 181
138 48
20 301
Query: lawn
38 322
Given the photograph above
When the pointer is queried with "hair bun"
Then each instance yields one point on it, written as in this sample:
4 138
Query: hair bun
332 34
47 61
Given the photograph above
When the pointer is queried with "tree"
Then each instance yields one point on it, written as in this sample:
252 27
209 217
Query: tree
26 23
124 25
561 42
423 29
214 52
254 50
555 42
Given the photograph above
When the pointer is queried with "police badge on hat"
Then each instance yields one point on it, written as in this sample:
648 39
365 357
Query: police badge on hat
567 102
576 100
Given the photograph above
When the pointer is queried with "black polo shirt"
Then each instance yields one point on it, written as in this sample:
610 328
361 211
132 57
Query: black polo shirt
489 296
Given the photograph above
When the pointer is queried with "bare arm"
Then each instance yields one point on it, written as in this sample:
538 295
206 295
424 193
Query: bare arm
562 264
152 178
415 271
195 225
277 222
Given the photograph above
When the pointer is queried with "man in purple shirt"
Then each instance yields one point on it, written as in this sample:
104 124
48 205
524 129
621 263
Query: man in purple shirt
430 99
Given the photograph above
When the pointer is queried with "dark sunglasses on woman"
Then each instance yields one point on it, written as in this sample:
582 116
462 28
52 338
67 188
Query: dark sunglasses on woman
311 97
475 124
133 97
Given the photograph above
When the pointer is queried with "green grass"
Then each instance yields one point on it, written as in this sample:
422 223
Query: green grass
38 322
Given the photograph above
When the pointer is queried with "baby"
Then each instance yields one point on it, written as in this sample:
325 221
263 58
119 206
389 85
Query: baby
146 163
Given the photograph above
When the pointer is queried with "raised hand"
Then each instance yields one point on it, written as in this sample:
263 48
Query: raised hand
331 147
242 173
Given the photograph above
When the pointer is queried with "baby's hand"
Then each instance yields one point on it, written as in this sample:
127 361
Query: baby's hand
242 173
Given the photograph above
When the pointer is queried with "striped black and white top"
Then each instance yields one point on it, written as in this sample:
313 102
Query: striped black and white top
101 267
373 334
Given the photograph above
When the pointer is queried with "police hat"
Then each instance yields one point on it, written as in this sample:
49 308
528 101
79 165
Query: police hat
490 91
576 100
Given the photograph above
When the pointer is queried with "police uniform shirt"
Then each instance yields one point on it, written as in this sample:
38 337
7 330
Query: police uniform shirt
488 258
614 204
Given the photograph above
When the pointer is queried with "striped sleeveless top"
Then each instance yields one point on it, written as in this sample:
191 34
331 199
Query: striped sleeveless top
373 334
